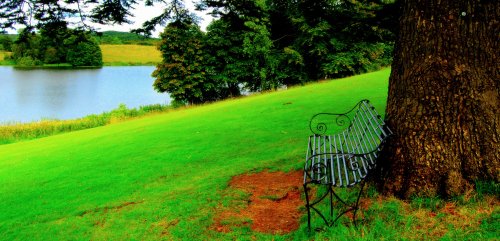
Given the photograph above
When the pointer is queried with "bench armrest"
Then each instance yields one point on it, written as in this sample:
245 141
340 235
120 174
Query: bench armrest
333 123
322 122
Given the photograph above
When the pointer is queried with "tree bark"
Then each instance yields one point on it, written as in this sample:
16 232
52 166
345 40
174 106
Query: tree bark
444 98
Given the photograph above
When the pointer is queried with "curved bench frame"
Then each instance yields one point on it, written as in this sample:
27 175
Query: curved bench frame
345 157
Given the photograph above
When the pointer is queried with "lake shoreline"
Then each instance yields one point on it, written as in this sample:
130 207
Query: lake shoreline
12 132
33 94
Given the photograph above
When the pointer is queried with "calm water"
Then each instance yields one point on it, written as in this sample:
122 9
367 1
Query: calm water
28 95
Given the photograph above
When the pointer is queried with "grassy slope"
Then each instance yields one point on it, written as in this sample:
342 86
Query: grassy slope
130 55
162 177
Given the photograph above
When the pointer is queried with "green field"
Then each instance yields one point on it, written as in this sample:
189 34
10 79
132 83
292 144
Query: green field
163 177
2 58
118 55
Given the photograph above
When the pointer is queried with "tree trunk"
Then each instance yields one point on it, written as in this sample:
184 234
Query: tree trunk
444 98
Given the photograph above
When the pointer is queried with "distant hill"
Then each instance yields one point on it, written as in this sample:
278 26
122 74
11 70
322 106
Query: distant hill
115 37
11 36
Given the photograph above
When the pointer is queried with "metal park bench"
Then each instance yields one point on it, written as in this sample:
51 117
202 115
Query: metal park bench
343 158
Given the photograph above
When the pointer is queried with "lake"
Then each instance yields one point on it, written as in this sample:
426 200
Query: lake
30 95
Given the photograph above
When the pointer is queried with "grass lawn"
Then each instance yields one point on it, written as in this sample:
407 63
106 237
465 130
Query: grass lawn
130 55
163 177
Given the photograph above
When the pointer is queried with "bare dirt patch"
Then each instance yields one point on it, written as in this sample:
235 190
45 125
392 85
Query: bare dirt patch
273 205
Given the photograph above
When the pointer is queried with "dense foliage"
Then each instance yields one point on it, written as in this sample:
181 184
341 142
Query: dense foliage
54 45
257 45
182 72
85 54
5 43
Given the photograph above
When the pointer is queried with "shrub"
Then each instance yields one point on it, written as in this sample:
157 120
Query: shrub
87 53
51 56
28 62
5 43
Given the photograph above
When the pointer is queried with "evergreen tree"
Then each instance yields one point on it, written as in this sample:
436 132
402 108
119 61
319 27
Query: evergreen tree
182 71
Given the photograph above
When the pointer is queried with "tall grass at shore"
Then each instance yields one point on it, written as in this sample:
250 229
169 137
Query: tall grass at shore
124 55
14 132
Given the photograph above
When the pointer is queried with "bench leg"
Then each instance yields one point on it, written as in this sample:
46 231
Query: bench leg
311 203
331 202
356 207
348 207
307 207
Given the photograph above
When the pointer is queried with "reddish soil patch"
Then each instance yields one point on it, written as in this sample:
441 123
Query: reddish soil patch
273 206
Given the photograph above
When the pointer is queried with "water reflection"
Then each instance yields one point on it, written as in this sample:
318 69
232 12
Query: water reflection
27 95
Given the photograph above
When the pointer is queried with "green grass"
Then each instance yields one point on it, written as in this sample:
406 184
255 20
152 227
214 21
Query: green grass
162 177
124 55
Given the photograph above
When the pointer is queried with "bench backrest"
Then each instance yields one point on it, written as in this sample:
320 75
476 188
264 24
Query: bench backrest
368 128
345 146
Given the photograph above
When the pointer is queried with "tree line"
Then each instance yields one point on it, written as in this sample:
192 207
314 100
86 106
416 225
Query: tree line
263 45
55 43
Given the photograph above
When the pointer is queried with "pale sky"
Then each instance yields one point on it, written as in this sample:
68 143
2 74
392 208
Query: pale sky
143 13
